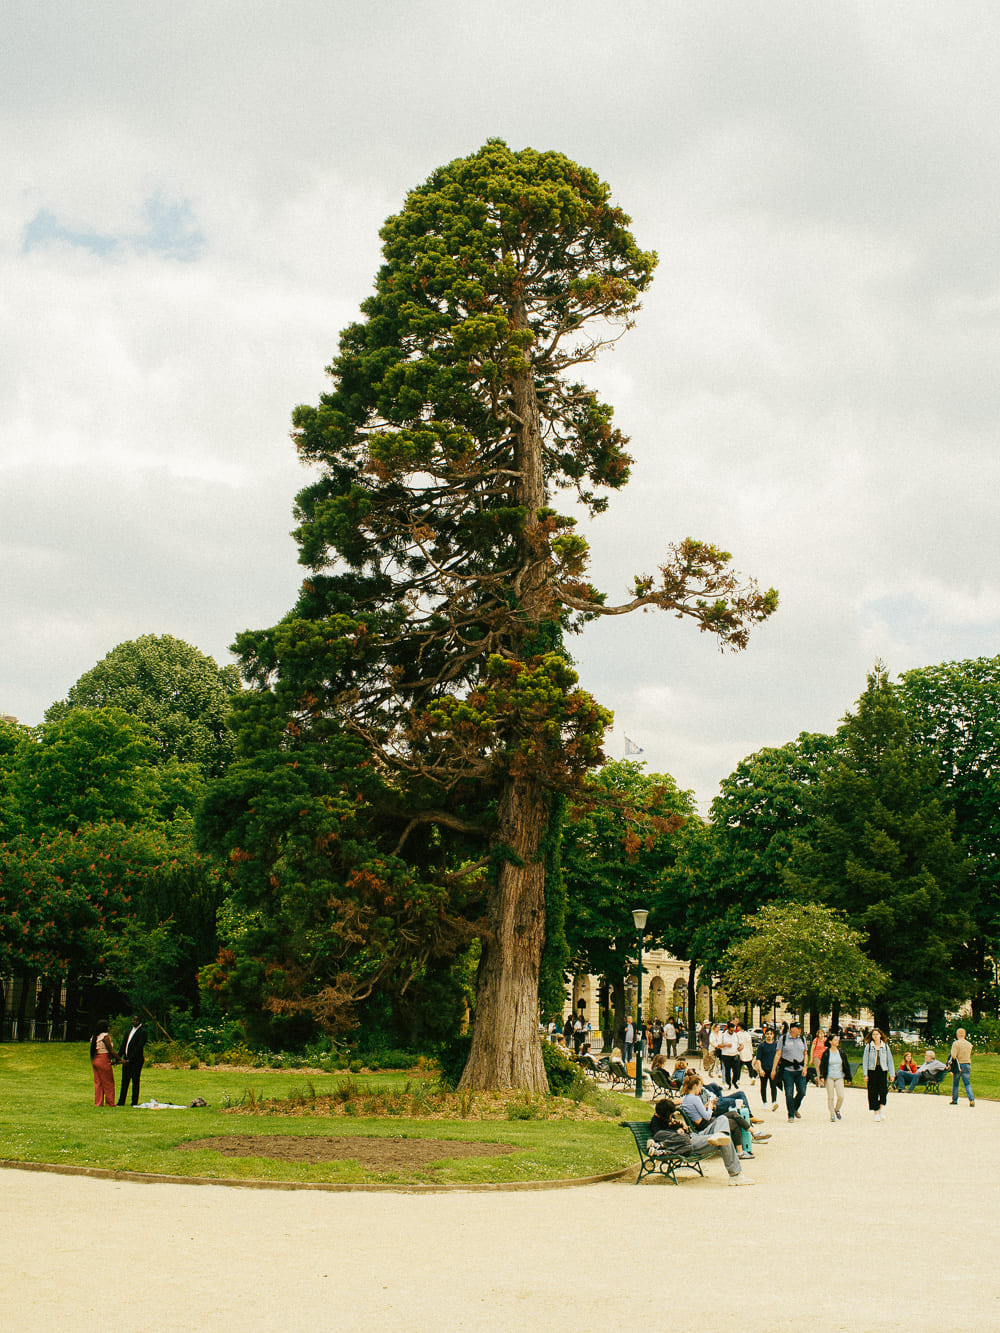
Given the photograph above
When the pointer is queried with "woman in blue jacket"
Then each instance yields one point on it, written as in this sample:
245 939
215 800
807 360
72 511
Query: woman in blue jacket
878 1069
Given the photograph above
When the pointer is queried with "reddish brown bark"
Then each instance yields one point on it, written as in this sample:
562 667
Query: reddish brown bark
506 1049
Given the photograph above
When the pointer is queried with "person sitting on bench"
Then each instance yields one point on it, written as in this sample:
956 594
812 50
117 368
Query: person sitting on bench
929 1072
669 1130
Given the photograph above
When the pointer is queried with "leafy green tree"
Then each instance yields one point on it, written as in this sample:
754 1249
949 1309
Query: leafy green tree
441 578
87 768
762 809
322 913
126 908
805 952
954 712
882 849
181 696
14 740
619 843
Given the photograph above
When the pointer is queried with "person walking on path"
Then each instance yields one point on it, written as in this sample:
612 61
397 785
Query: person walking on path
834 1071
102 1052
961 1067
790 1058
767 1049
815 1052
670 1037
878 1069
745 1043
729 1050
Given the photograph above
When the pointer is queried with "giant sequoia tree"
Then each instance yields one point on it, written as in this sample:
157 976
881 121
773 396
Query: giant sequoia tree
442 579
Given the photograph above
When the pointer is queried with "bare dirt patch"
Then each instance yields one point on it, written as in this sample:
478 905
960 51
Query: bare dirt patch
382 1154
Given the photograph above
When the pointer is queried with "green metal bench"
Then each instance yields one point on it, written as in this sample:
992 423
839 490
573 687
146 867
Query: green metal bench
661 1164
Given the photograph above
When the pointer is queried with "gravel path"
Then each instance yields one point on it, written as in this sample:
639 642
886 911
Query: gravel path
852 1225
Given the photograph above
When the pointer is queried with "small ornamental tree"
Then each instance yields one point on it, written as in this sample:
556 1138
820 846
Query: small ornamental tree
804 952
442 579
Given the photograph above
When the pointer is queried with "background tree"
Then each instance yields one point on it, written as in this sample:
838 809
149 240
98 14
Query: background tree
619 840
762 810
954 712
806 953
181 696
882 849
101 890
441 578
89 767
322 914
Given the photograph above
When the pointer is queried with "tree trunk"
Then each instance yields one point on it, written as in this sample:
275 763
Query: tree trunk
506 1051
618 1000
693 1047
28 980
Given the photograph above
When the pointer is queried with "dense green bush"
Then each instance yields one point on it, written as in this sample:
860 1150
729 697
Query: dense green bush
565 1079
453 1056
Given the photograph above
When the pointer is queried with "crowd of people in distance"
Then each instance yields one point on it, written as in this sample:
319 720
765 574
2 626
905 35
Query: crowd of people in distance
708 1117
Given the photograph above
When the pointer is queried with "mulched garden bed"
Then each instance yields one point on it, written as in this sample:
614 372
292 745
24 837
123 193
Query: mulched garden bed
379 1153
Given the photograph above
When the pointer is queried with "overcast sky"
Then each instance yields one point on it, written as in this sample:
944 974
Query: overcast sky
190 214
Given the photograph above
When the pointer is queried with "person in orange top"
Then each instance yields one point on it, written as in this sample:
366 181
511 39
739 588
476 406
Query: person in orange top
816 1053
904 1074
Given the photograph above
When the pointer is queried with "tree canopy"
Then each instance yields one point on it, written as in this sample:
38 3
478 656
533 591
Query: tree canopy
619 842
954 713
181 696
882 849
806 953
441 578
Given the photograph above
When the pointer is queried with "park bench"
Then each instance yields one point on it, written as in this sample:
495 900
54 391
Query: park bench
658 1163
618 1073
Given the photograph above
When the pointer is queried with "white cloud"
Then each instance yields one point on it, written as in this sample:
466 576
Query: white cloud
811 384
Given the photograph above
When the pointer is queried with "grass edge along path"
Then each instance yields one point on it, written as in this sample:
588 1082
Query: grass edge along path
47 1118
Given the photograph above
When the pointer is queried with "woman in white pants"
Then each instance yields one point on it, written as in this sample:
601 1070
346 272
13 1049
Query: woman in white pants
834 1071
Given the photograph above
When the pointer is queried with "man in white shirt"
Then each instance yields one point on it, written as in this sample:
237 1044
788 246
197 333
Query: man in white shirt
132 1058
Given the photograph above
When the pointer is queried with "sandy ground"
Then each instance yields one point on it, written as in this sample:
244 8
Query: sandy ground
854 1225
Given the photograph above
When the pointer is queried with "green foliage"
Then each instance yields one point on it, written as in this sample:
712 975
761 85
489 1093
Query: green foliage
882 849
556 952
180 696
428 632
321 916
804 952
565 1078
620 845
953 710
452 1057
87 768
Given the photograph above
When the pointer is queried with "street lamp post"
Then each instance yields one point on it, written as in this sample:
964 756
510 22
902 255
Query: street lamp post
639 915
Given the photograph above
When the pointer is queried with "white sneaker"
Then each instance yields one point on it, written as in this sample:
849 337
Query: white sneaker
741 1180
719 1139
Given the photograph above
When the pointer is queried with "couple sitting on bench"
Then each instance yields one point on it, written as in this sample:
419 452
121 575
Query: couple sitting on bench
931 1072
671 1135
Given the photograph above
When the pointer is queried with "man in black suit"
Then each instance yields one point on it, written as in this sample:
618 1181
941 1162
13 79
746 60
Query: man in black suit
132 1058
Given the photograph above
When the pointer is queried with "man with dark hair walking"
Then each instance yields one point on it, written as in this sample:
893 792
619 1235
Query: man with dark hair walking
790 1058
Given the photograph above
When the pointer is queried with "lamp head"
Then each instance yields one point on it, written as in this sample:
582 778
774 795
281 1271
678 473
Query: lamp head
639 915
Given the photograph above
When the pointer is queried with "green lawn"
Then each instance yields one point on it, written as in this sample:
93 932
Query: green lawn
47 1115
